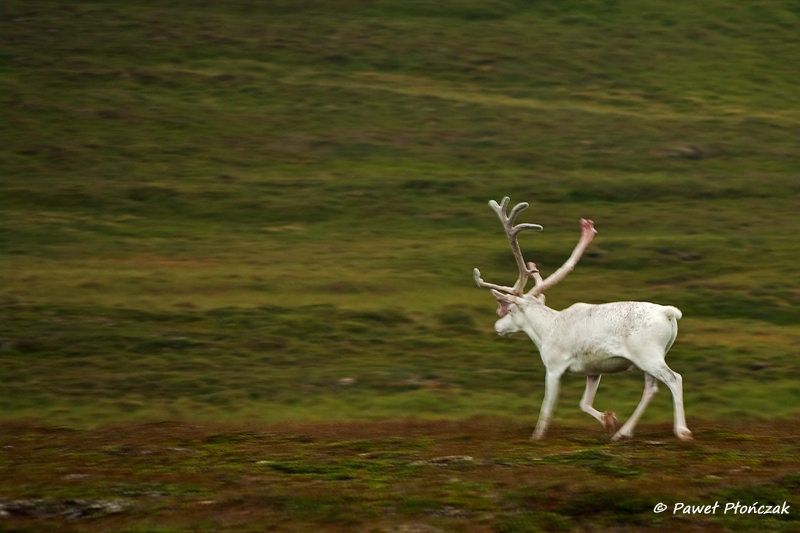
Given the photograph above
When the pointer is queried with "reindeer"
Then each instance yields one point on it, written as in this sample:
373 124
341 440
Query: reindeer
587 339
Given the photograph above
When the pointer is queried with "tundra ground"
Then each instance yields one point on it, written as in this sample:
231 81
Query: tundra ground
476 475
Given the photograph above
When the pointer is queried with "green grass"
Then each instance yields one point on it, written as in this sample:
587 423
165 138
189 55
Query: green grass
270 211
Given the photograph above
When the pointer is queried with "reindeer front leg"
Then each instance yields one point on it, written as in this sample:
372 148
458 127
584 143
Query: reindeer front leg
607 419
551 384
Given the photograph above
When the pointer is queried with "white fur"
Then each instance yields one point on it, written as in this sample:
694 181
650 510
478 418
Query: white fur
594 340
586 339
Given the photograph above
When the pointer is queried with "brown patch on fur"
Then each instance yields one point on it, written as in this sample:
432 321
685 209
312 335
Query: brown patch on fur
610 422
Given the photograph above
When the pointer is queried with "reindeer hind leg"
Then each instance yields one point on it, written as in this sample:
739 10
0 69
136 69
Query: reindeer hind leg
674 381
650 390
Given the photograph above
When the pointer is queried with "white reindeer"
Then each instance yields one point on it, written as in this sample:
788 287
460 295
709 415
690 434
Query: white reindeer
584 338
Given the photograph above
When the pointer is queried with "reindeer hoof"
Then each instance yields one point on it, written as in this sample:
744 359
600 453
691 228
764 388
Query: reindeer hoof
685 435
618 436
610 422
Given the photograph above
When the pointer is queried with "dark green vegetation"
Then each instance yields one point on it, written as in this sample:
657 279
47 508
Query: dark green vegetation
222 210
476 475
270 211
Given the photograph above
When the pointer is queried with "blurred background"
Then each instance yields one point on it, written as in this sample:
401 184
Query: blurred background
270 211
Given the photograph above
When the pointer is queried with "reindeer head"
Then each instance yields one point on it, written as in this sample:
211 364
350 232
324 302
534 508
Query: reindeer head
512 312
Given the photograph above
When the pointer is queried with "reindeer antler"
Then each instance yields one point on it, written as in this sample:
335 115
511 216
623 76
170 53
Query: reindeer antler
587 234
511 233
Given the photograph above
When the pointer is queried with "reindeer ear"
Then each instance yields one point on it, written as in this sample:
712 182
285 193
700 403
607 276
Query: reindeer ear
504 301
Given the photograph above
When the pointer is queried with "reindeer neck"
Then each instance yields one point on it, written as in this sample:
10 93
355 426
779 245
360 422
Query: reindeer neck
540 318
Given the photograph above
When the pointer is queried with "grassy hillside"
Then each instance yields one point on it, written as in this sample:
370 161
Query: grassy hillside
270 211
